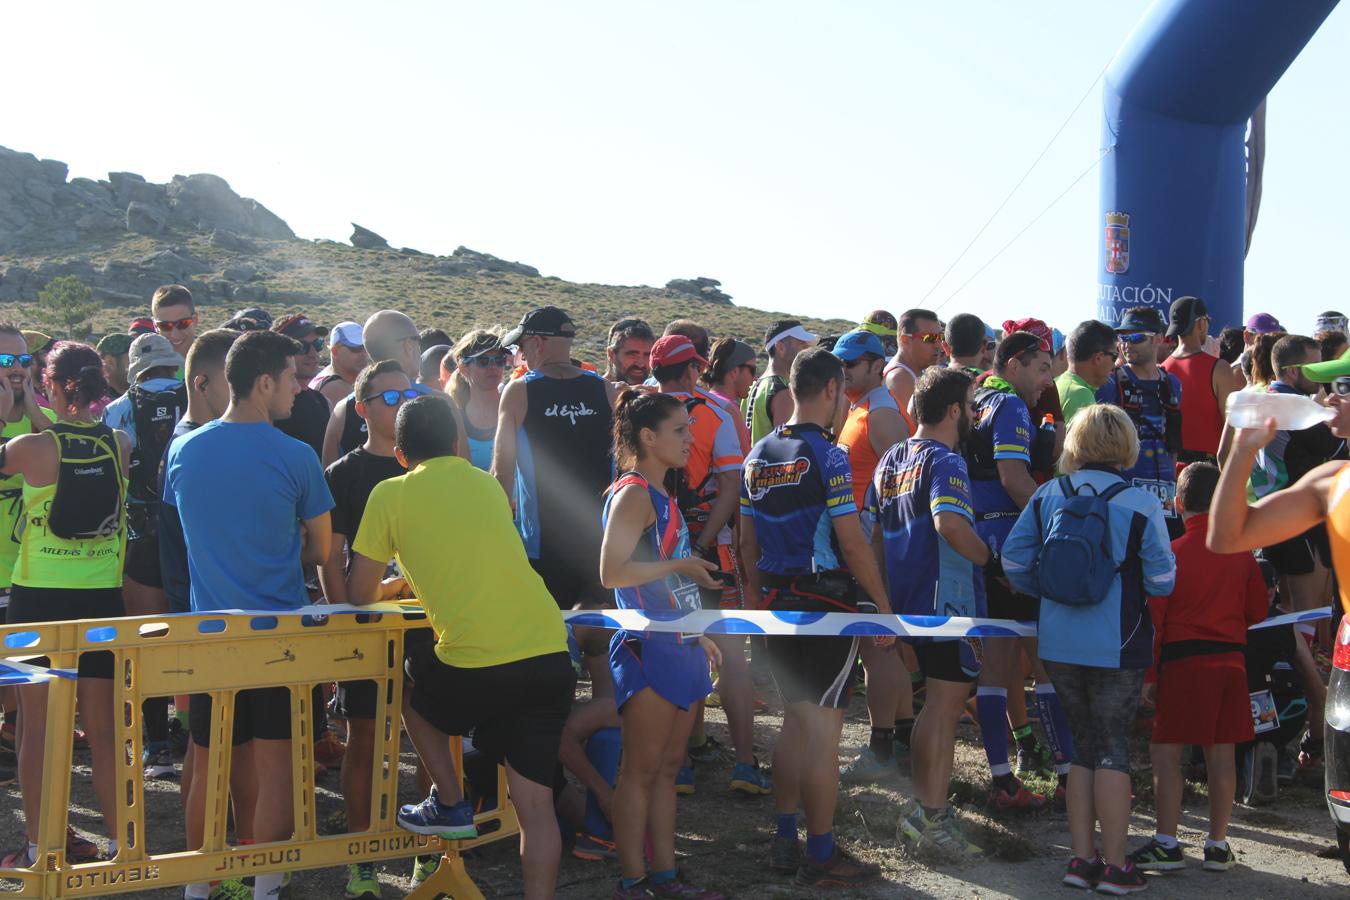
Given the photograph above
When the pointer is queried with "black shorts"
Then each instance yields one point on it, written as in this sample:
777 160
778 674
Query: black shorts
259 713
812 669
356 699
30 604
514 711
1005 603
955 659
142 564
570 589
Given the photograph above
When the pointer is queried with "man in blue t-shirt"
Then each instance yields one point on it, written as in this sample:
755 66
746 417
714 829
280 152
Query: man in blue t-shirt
254 508
999 456
1151 397
924 526
799 531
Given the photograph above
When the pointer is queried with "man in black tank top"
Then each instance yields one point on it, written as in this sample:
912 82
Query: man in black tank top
553 456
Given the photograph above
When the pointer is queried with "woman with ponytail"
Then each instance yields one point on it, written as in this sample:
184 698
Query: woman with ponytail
69 567
472 372
659 678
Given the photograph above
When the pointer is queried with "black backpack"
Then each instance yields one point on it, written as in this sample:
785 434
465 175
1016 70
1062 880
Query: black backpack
88 499
156 414
688 497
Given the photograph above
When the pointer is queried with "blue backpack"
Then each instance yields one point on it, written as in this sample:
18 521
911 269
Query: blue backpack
1075 566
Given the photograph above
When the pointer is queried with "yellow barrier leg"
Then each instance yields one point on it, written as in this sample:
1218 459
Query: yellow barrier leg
50 835
127 730
451 879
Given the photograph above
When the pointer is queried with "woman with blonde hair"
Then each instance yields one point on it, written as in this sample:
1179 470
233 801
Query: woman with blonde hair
1096 636
472 372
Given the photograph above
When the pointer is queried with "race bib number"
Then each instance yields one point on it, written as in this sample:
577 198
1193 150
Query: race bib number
1264 715
1165 491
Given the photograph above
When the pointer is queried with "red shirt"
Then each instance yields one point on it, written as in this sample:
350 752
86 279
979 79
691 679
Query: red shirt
1217 596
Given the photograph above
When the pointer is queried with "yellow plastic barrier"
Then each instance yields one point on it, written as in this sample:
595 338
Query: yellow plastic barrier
220 655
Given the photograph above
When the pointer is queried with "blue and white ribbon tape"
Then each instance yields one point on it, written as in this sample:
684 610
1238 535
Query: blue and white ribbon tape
711 621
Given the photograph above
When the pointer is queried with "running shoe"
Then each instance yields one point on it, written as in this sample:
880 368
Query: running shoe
1310 752
1121 881
590 848
785 854
843 868
178 737
678 888
329 750
17 859
1219 858
158 761
362 883
454 823
79 849
710 750
749 778
640 891
939 834
1083 873
233 889
1036 759
423 868
868 768
1018 801
1154 857
713 700
684 781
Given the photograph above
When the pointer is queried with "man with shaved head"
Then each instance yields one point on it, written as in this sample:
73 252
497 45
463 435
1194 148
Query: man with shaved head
388 334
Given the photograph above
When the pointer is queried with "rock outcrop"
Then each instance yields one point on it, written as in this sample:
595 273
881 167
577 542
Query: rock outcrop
709 289
366 239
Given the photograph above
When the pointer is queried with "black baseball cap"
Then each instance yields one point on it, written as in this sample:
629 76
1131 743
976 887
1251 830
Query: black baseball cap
546 321
1183 315
1149 320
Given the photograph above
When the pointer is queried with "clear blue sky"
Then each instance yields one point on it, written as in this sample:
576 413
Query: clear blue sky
819 159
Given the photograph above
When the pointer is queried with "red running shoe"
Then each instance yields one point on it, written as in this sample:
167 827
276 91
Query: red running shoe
1018 801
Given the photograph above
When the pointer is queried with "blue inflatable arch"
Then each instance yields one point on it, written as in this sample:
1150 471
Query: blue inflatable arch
1177 98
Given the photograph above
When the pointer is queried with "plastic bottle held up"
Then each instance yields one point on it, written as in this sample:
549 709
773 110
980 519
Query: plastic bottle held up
1291 412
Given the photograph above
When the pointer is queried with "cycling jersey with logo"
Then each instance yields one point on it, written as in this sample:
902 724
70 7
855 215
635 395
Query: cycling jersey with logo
795 482
563 465
666 538
1002 426
915 481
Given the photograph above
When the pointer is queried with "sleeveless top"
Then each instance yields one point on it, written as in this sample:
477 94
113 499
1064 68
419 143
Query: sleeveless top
1202 422
49 561
855 438
481 441
564 462
1338 528
756 405
11 507
666 538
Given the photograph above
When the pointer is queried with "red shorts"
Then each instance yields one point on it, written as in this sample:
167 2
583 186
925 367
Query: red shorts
1203 700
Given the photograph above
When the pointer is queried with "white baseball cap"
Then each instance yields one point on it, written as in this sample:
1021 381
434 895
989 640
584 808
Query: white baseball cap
348 334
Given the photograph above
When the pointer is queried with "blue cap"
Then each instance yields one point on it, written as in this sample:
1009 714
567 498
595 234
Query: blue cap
990 333
855 343
1056 341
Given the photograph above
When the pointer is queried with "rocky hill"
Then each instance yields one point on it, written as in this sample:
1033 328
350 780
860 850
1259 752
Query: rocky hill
125 236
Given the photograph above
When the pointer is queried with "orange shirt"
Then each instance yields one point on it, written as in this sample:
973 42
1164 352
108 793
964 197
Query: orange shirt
855 438
1338 529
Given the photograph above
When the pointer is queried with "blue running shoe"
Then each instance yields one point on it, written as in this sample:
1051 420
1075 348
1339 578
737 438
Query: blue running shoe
749 778
454 823
684 781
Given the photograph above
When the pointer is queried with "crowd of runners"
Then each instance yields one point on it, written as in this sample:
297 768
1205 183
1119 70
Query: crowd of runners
1086 481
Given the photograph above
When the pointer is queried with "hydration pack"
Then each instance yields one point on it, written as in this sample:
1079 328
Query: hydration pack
688 496
88 499
1074 565
155 414
1130 397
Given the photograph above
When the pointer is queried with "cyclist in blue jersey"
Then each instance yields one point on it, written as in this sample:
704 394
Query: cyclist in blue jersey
999 457
924 532
660 678
799 530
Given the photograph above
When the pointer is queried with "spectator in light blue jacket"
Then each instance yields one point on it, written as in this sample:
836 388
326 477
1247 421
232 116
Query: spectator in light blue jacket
1096 654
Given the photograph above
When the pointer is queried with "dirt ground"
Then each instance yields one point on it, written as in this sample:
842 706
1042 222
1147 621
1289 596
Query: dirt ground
723 838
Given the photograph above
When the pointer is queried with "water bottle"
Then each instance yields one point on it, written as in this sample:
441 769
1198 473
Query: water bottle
1291 412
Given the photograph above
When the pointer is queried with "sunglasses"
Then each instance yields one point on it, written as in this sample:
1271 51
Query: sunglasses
180 324
7 360
1340 387
392 398
1113 354
990 345
930 337
854 363
488 361
1137 337
315 343
750 366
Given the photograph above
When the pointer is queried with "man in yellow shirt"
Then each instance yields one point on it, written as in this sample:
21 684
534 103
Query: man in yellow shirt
499 668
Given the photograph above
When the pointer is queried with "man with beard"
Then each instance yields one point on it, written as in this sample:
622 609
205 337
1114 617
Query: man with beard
924 530
629 352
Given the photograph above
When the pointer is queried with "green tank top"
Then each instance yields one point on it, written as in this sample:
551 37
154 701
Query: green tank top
756 405
48 561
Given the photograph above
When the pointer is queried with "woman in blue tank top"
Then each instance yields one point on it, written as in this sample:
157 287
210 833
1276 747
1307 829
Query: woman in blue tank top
659 678
472 372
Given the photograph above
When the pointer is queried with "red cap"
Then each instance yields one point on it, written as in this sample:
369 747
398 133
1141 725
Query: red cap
1031 326
674 349
142 325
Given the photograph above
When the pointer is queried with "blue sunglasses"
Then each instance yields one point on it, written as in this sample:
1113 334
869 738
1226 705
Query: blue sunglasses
392 398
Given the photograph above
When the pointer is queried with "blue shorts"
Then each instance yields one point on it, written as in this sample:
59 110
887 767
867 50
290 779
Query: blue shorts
678 673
